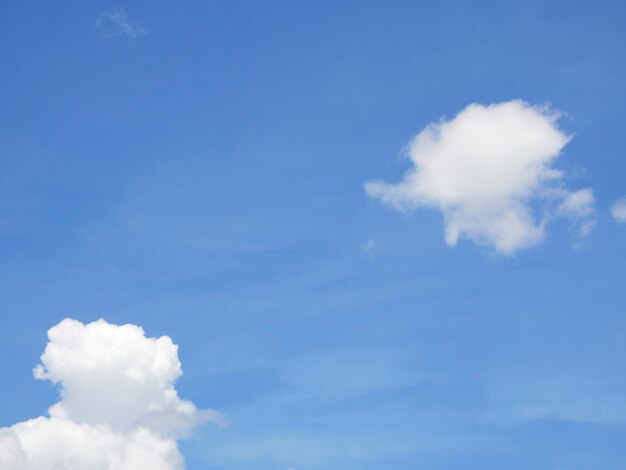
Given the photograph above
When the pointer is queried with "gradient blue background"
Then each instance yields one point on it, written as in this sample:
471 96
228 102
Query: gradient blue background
205 181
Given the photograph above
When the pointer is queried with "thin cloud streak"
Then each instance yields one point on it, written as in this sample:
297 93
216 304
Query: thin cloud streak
116 23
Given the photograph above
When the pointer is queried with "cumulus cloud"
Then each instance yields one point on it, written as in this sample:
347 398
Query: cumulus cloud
490 172
115 23
53 443
618 210
118 407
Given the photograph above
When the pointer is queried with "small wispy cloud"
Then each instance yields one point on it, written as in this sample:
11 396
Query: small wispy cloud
585 396
618 210
115 23
369 245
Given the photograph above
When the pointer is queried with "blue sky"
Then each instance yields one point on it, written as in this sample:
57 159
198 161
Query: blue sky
203 176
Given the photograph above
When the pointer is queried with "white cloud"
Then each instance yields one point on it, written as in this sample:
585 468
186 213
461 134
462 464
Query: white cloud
618 210
113 23
489 171
578 204
118 408
54 443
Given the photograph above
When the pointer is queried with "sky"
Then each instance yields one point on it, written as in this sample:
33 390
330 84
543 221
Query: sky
312 235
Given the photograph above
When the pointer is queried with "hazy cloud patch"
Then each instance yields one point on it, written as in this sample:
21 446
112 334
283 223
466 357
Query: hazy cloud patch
618 210
582 397
116 23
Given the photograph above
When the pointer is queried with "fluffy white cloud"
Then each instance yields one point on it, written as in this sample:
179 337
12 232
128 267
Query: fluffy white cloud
56 443
489 170
118 410
618 210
